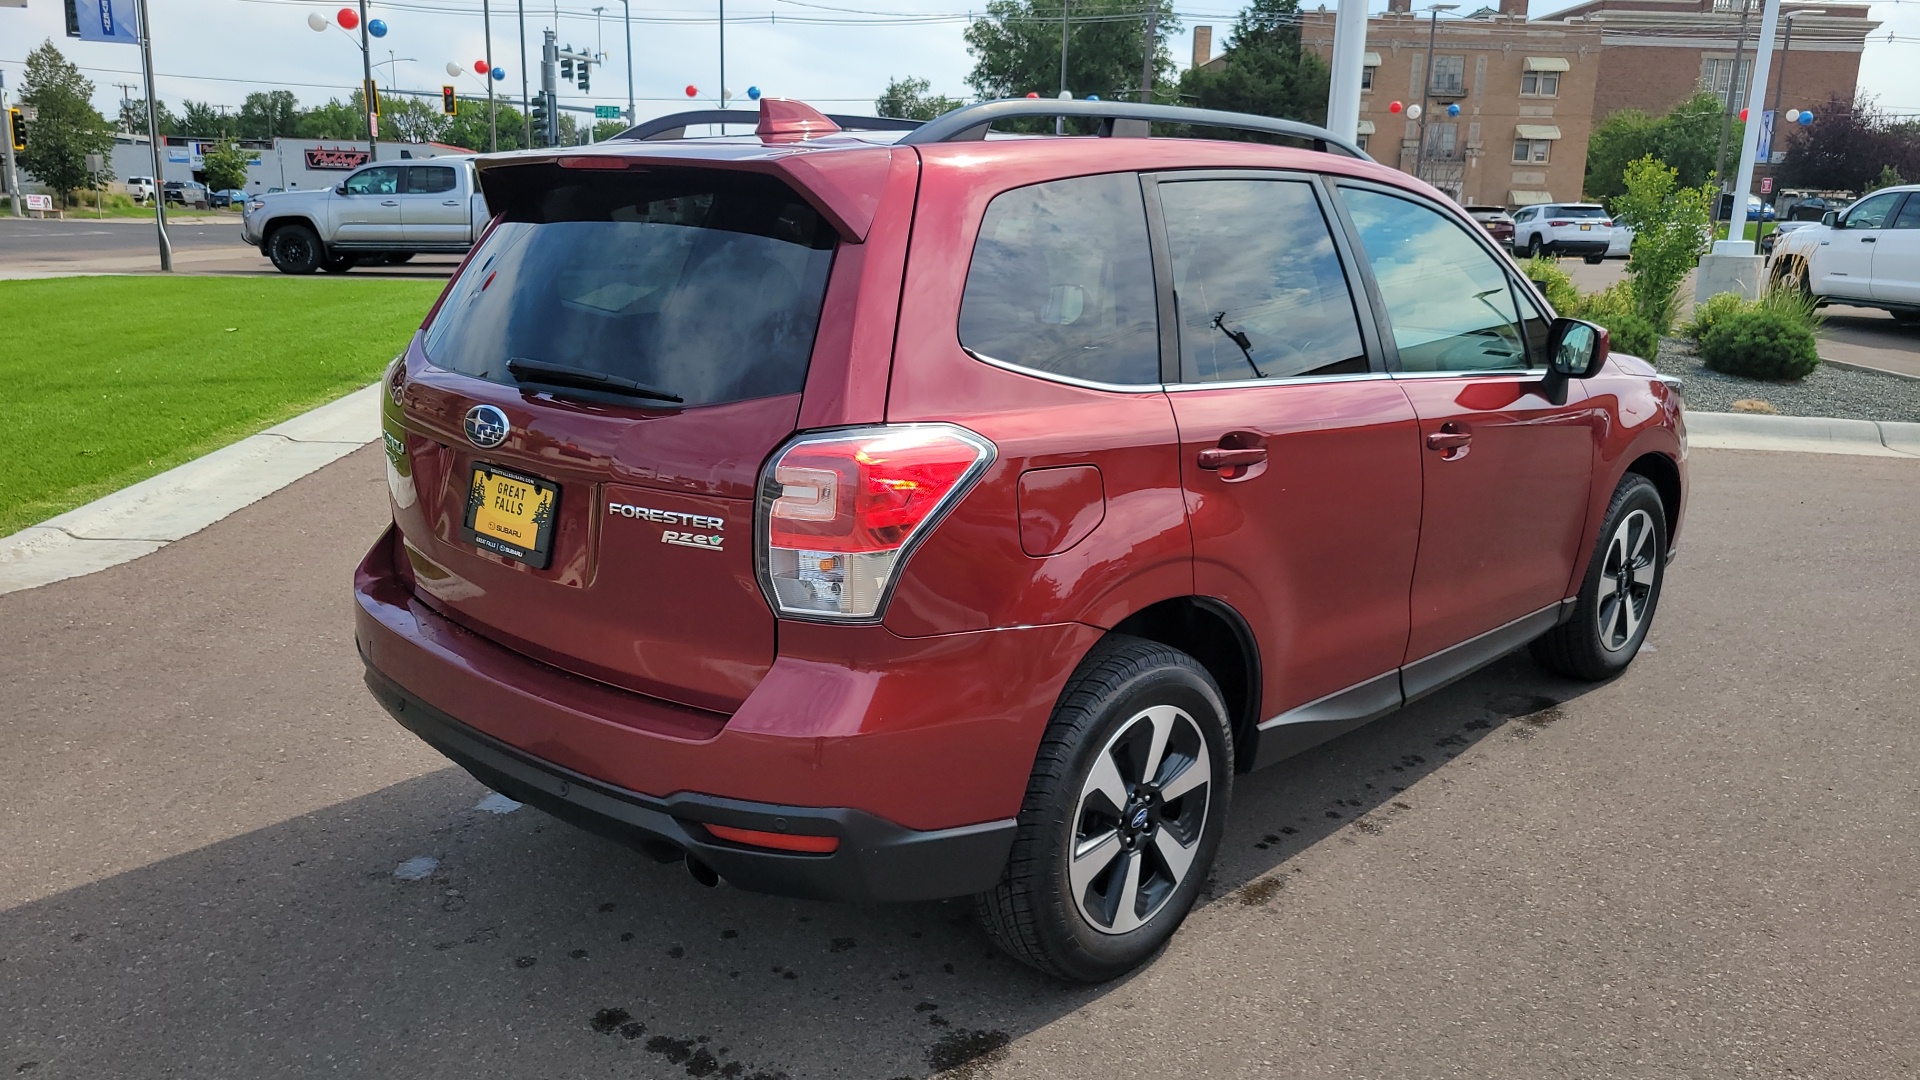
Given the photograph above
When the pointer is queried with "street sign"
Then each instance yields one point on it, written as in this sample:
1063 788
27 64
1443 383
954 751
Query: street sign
29 113
102 20
1766 185
96 163
606 112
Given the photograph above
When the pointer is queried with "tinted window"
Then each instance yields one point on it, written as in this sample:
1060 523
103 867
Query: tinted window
429 179
1062 282
1871 212
1909 217
706 285
1579 213
381 181
1259 286
1448 298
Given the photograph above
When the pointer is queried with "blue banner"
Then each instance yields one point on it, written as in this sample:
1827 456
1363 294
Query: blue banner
1765 152
105 20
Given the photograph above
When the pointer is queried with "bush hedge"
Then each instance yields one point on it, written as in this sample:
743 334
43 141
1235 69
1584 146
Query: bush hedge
1760 343
1716 308
1545 272
1615 308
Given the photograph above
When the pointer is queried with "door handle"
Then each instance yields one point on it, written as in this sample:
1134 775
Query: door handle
1222 457
1451 436
450 202
389 202
1869 239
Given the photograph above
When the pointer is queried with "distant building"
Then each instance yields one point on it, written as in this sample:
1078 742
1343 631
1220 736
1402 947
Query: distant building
279 164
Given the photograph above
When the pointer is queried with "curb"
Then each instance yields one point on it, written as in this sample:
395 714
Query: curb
1857 366
1802 434
155 512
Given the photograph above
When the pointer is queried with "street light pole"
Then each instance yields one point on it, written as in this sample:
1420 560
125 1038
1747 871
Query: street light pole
1060 122
493 126
1726 106
626 15
723 53
1349 60
153 142
1426 88
366 85
1750 144
526 102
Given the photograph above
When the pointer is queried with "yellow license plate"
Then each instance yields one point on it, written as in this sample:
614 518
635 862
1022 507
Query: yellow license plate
510 514
1586 228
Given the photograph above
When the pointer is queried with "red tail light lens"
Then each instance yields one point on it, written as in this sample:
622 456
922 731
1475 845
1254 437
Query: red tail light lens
839 511
811 845
1559 224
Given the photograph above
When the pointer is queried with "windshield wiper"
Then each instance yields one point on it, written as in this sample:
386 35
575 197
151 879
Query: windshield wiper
536 371
1240 338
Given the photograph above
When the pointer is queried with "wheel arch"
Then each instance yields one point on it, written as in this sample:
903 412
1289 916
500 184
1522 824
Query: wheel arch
1664 472
275 225
1216 635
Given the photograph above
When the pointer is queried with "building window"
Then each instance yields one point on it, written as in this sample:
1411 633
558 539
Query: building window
1730 5
1531 151
1449 74
1361 140
1443 141
1540 84
1726 79
1366 77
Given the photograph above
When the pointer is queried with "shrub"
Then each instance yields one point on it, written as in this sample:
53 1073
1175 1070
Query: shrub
1553 281
1614 309
1760 343
1716 308
1670 229
1796 305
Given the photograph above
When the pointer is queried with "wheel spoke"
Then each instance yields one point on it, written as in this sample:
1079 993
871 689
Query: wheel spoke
1126 908
1161 717
1105 779
1196 773
1608 586
1639 552
1090 857
1176 855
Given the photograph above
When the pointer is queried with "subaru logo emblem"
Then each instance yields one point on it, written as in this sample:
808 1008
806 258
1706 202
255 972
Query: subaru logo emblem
1139 818
486 426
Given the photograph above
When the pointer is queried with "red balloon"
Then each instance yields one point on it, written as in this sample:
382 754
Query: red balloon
1394 108
347 18
1743 116
479 67
692 90
1031 94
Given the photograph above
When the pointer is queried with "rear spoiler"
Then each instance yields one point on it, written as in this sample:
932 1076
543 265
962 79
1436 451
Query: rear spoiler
675 126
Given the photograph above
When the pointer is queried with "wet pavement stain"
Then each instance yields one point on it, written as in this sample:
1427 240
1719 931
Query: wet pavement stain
608 1021
841 944
1260 890
965 1054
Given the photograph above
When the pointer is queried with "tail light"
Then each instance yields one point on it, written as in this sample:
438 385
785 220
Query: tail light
1559 224
840 511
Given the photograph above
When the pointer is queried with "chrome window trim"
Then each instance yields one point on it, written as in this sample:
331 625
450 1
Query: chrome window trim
1068 380
1518 373
1278 380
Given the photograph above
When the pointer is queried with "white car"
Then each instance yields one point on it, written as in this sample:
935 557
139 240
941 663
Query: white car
1582 229
1867 254
140 187
1621 245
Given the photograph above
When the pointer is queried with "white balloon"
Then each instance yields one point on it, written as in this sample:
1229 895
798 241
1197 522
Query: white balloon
1413 112
726 95
1793 116
317 21
1066 95
453 69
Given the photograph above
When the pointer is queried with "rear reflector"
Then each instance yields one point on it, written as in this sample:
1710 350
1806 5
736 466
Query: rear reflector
811 845
839 511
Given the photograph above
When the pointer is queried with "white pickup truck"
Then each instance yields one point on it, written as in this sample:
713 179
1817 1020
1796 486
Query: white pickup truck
1867 255
382 213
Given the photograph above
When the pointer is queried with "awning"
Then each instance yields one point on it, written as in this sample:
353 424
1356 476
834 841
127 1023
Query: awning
1371 59
1522 197
1365 128
1536 131
1546 63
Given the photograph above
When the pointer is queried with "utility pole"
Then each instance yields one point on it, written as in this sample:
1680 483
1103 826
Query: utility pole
1060 122
626 14
1349 58
126 98
723 53
493 125
526 103
12 176
1726 103
366 86
550 85
1426 87
153 141
1146 62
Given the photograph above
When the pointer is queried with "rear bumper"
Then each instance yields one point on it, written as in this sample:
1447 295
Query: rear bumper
915 752
876 860
1578 247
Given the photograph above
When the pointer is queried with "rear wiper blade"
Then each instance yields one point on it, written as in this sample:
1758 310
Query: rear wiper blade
537 371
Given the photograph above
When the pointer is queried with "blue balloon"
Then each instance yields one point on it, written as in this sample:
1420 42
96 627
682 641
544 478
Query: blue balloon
1093 97
1806 118
499 74
1453 110
377 27
753 93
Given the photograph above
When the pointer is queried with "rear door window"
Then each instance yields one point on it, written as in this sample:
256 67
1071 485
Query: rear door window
429 179
1257 282
1062 282
702 284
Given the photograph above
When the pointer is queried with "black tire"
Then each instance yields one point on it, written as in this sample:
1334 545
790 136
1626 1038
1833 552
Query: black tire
295 249
1119 696
1533 246
1596 260
339 264
1906 318
1629 561
395 258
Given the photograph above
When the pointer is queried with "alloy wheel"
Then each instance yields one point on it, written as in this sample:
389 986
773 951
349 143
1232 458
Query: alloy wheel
1626 581
1139 818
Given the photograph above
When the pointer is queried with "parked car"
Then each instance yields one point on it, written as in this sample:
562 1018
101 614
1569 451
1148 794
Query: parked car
227 197
1582 229
860 516
1620 245
1496 220
1757 210
1772 239
383 213
186 193
140 187
1867 255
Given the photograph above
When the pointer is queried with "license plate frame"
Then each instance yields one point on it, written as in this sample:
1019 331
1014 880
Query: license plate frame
493 532
1586 228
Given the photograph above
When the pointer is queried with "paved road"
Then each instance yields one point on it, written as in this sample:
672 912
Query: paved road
41 248
1707 868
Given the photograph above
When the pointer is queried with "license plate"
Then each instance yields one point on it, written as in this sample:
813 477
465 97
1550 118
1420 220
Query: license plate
510 514
1586 228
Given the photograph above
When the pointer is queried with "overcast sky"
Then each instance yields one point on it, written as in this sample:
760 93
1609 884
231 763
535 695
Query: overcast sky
832 52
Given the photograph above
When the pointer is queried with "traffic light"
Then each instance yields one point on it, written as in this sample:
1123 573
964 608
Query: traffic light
17 129
373 97
449 104
540 118
566 68
586 69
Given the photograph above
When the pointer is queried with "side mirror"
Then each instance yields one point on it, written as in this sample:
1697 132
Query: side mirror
1575 350
341 189
1831 219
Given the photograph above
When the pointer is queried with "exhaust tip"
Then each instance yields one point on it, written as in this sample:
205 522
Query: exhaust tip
701 872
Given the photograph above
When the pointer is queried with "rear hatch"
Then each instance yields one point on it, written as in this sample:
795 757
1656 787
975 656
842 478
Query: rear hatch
608 529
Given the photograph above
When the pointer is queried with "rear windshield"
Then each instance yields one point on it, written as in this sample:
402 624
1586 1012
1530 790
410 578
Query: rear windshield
701 284
1578 212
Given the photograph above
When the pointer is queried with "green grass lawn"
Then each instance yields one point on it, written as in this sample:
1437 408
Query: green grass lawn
110 380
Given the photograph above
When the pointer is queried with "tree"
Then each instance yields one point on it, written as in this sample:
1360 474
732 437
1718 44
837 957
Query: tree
411 119
1889 177
1847 146
133 117
334 120
469 129
1686 139
607 129
201 120
267 115
1016 48
909 99
1670 222
67 128
1264 70
226 166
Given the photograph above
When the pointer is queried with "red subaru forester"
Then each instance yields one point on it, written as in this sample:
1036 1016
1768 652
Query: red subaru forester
881 516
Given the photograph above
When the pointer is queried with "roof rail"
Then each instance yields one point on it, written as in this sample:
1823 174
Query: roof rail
676 125
1120 118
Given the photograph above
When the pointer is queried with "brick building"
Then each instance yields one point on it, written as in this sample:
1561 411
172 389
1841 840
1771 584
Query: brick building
1525 92
1659 52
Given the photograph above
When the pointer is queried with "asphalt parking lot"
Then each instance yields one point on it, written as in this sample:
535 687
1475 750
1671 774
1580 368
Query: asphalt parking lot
219 859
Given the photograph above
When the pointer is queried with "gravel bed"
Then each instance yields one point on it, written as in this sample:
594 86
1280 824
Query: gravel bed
1832 390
